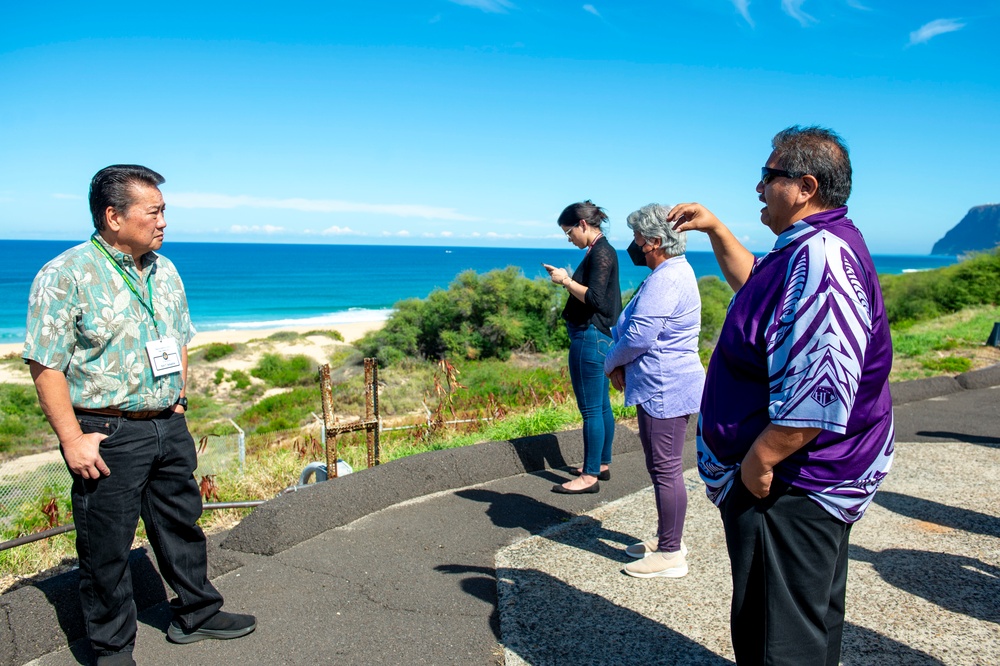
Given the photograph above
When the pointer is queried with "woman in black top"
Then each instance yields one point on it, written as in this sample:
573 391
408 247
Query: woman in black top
594 303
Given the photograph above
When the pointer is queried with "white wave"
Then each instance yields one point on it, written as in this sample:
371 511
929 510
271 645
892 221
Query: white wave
352 316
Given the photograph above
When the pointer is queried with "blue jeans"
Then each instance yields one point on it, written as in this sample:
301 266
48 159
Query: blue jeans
152 464
587 349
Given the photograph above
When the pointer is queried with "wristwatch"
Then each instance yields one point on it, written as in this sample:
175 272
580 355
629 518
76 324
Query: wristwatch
183 402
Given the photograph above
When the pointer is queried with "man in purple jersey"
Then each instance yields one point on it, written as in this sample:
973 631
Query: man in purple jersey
795 433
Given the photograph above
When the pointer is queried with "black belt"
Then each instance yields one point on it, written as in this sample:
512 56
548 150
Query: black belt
132 416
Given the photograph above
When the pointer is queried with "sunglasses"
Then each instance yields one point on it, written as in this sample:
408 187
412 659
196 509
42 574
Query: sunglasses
570 230
767 174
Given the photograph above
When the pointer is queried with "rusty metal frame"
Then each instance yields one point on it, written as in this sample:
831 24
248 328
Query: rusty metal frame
370 424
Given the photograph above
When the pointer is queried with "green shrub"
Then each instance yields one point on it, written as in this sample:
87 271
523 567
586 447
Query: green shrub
335 335
283 411
217 350
22 424
220 375
913 297
715 297
283 336
949 364
477 317
284 371
241 379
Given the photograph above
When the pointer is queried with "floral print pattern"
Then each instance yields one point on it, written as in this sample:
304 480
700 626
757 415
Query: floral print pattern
84 321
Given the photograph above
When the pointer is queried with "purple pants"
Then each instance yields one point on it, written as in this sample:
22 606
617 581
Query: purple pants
663 444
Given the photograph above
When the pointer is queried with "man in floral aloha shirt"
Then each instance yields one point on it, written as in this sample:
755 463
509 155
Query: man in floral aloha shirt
108 329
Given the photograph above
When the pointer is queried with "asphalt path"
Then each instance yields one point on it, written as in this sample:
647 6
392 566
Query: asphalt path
413 582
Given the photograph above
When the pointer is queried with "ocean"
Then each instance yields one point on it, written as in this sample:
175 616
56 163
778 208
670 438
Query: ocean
244 285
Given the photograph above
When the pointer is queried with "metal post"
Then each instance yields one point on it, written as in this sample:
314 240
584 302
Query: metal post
243 446
326 390
370 423
371 410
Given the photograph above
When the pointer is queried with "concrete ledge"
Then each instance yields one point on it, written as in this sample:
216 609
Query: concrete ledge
46 616
922 389
979 379
293 518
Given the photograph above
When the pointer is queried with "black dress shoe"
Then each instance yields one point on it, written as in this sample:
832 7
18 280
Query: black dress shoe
604 475
563 490
116 659
221 626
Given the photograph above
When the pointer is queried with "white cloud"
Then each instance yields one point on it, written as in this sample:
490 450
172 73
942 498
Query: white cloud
209 200
447 234
743 7
495 235
57 195
592 10
337 231
402 232
794 9
256 229
930 30
858 5
490 6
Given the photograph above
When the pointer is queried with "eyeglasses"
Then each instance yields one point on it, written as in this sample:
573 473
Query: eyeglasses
767 174
570 230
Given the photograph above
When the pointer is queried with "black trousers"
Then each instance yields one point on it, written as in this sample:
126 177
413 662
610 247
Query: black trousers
152 475
789 564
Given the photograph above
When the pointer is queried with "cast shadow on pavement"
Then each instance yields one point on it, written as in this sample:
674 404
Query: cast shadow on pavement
482 584
558 624
549 622
956 583
514 510
992 442
939 514
148 591
863 647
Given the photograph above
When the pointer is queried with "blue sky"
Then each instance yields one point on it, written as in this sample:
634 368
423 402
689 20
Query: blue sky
474 122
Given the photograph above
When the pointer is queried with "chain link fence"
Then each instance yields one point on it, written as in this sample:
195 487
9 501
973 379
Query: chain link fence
34 489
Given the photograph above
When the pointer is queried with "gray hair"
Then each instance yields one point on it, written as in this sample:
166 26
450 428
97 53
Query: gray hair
651 222
820 152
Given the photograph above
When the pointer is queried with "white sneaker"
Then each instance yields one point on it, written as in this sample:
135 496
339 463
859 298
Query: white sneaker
669 565
648 547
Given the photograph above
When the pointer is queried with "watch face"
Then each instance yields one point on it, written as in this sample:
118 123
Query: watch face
183 402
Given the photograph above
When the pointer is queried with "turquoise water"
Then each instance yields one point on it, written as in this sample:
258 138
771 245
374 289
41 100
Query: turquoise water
231 285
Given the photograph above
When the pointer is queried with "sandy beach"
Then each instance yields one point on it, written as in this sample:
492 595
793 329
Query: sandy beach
351 331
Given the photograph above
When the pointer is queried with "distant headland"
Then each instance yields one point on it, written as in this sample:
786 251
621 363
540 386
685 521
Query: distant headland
978 231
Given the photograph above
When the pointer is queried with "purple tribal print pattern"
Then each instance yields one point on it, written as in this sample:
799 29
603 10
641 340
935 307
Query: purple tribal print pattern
818 336
805 345
848 500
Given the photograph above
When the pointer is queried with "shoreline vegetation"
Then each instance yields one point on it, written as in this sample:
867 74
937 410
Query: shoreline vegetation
489 351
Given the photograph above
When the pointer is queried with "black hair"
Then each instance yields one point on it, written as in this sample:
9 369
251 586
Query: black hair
585 210
111 187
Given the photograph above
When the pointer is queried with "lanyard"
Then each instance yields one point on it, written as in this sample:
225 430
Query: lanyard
594 242
128 282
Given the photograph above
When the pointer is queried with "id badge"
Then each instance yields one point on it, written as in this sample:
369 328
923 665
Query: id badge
164 356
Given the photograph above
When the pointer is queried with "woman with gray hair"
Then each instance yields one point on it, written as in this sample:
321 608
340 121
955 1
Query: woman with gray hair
655 362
